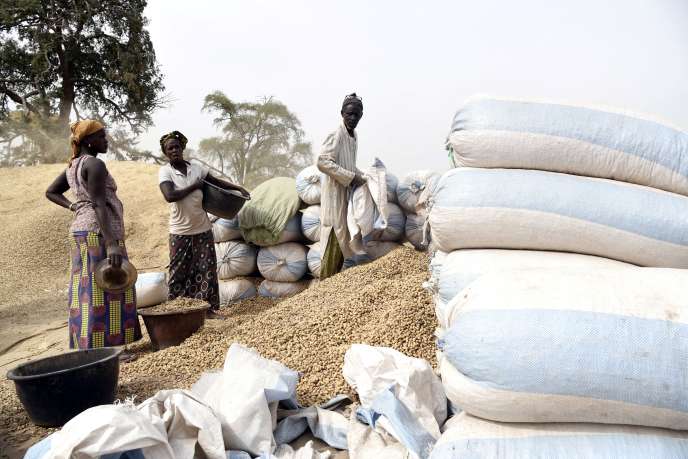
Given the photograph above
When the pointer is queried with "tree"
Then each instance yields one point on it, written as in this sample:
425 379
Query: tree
60 58
123 146
259 140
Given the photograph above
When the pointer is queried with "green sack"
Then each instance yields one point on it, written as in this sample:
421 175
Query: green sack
332 259
272 204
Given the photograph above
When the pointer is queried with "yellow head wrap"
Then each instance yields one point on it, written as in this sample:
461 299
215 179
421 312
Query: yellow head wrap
81 129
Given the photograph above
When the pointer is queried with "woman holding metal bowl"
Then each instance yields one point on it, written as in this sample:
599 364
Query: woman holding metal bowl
193 264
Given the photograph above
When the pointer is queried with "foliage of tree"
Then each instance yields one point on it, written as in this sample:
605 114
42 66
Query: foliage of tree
259 140
73 58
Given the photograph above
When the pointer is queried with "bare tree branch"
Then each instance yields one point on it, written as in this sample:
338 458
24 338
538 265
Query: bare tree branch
211 167
17 99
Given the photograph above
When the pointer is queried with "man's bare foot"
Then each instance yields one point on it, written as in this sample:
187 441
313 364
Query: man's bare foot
210 314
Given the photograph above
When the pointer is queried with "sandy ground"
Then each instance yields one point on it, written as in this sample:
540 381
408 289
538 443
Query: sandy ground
34 256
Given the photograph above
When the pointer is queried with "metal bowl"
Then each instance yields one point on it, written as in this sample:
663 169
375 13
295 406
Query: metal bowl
115 280
222 203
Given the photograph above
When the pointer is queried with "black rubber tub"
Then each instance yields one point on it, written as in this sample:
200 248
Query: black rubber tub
55 389
222 203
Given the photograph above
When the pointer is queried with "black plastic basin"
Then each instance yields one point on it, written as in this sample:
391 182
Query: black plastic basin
55 389
222 203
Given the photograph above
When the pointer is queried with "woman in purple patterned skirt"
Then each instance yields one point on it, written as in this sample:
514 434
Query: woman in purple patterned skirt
96 318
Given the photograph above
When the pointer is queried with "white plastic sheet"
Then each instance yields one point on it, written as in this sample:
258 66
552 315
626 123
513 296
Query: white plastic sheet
172 424
248 409
367 211
400 394
245 398
305 452
190 424
109 429
368 443
323 423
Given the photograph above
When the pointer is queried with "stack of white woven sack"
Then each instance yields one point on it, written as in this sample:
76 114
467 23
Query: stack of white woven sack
272 222
236 259
413 193
551 304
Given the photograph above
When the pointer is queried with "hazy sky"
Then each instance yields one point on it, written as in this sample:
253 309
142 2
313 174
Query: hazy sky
414 63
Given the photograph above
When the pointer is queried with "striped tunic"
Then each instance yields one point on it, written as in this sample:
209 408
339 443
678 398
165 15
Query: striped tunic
337 161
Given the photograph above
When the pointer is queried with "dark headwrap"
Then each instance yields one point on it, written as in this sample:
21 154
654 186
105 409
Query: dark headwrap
173 135
352 99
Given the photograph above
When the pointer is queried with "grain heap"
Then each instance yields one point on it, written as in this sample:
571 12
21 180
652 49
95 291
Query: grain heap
180 304
381 304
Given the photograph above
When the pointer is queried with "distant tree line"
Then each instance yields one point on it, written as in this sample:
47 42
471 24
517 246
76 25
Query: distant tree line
62 60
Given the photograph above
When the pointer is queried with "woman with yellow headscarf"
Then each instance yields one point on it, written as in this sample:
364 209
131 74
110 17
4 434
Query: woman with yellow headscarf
96 318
